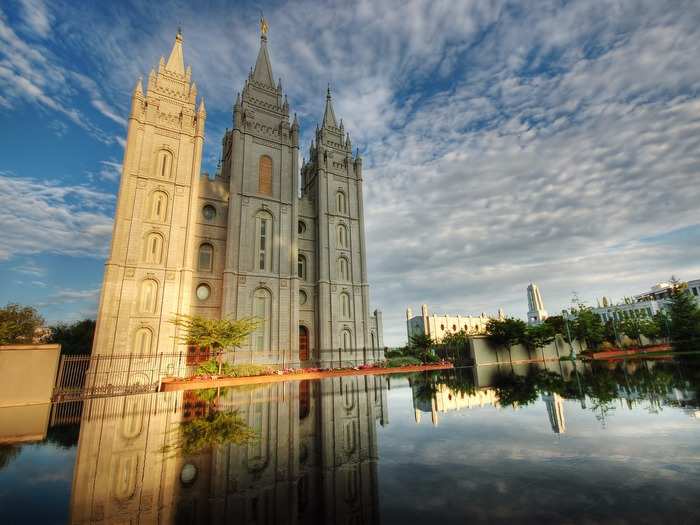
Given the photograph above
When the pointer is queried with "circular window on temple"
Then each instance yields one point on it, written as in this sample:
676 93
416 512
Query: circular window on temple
209 212
188 474
203 292
302 227
302 297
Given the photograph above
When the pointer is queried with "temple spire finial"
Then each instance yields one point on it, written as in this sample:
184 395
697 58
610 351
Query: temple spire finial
329 115
263 70
264 26
176 61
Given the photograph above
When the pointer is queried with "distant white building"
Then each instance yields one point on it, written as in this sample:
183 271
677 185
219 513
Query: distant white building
438 326
646 304
536 312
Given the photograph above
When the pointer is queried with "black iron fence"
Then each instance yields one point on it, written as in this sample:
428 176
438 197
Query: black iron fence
87 376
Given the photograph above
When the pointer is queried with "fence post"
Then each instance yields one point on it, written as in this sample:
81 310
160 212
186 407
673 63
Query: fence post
59 377
160 362
128 374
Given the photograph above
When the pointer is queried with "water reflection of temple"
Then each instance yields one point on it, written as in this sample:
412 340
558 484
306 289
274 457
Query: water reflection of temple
555 411
314 459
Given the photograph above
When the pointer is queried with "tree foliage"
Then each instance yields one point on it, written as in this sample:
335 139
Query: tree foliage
420 342
685 318
505 332
18 324
556 323
76 338
585 326
216 334
456 339
538 336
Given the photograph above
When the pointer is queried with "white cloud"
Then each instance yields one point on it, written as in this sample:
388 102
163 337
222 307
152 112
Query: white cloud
503 142
30 72
37 17
43 217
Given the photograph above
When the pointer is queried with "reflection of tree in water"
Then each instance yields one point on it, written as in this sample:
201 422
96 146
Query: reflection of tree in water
522 390
7 454
459 380
655 383
64 436
214 427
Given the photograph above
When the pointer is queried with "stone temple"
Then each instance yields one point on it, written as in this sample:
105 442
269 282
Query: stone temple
265 237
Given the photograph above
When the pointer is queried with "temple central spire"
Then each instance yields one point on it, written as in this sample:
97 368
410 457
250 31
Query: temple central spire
329 115
263 70
176 61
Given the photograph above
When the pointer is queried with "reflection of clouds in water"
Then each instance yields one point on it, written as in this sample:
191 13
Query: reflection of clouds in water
490 465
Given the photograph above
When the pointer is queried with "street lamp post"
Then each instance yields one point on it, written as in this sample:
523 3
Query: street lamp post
564 314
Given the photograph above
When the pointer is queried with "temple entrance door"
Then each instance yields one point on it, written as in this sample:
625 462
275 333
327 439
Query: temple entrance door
303 344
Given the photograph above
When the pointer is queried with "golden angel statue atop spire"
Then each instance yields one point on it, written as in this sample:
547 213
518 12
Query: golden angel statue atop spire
264 27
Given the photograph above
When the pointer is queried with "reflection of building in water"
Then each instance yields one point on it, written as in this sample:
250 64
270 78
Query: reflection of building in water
444 399
555 411
438 326
314 461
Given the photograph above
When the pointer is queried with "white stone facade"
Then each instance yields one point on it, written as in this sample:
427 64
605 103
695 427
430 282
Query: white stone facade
646 304
438 326
243 243
535 305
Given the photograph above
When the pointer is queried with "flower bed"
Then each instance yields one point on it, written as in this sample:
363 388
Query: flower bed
292 374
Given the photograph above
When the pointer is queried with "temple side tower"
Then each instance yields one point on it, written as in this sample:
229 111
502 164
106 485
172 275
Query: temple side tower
332 180
536 312
148 275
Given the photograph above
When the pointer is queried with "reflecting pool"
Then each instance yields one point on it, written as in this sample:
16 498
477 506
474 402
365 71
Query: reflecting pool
556 442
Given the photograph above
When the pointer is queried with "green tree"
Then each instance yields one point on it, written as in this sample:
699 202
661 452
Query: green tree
685 318
456 339
76 338
18 324
505 332
632 327
216 334
610 332
662 320
538 336
650 328
421 342
556 322
585 326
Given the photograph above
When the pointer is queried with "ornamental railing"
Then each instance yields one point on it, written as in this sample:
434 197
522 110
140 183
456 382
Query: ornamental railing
88 376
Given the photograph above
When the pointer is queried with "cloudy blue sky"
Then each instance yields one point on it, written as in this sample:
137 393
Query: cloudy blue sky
504 142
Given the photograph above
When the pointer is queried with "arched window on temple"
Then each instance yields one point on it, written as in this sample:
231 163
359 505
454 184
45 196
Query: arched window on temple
265 175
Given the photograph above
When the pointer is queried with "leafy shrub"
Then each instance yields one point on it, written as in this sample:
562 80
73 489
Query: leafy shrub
396 362
397 352
211 368
248 370
429 357
214 333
